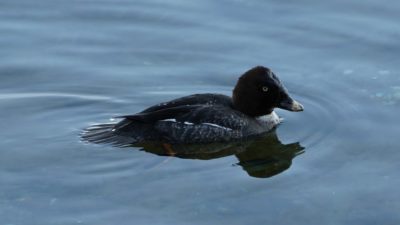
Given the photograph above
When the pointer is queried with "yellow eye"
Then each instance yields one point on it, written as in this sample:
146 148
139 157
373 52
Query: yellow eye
265 89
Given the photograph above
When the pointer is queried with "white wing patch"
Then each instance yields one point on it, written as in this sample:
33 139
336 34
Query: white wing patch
169 120
189 123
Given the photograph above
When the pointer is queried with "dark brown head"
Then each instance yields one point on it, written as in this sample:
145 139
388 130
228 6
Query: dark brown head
259 91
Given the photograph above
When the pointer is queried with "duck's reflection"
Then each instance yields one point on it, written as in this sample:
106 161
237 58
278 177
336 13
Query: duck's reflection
262 157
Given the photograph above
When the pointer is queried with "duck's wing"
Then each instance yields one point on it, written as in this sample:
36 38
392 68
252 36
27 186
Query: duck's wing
161 114
178 107
196 99
134 128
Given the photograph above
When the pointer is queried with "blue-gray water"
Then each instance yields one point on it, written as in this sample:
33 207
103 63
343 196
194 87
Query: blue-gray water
67 64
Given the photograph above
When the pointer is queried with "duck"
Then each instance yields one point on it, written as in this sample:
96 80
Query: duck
204 118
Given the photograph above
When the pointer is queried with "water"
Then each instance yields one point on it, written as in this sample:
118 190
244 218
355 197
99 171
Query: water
68 64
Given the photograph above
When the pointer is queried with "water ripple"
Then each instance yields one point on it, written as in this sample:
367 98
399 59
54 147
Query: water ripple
325 111
9 96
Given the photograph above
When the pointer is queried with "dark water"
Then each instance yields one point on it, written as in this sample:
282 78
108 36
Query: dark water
67 64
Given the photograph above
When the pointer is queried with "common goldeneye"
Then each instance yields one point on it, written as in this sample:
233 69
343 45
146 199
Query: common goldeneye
204 118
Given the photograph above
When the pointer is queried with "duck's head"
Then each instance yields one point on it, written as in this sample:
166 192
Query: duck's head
258 91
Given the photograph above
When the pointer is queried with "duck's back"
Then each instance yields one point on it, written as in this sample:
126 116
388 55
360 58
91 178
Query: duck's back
196 99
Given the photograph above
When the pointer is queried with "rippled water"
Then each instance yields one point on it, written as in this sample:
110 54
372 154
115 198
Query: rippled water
67 64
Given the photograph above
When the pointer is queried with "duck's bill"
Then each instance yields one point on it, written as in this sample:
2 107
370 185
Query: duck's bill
291 105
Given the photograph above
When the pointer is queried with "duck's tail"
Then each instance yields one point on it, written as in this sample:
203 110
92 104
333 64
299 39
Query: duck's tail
106 134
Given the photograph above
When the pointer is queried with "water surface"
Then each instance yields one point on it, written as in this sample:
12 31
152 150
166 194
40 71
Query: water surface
67 64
